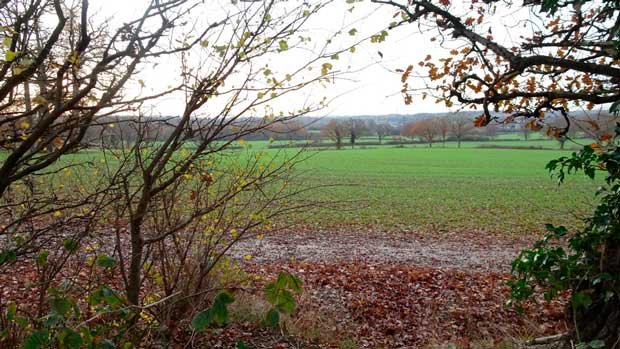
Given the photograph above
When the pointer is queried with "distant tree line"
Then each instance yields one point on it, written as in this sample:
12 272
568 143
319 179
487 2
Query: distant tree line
115 130
455 127
460 128
349 131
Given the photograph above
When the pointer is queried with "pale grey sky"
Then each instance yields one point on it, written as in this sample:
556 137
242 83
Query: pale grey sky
372 86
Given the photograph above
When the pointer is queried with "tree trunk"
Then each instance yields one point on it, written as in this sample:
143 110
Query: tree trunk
135 264
458 141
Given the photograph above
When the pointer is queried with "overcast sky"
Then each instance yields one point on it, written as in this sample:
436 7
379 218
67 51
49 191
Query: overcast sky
373 86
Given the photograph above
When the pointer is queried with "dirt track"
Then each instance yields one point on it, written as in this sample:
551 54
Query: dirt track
465 250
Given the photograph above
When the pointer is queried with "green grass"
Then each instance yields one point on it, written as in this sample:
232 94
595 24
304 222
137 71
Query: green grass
419 188
503 190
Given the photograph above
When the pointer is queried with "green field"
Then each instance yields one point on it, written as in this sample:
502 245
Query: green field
419 188
416 187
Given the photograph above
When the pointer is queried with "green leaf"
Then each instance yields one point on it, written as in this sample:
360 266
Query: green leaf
615 107
11 310
8 256
597 343
283 45
581 299
70 245
225 297
352 32
70 338
37 339
110 296
202 320
601 277
105 261
282 279
286 302
60 305
42 258
271 292
294 283
325 68
273 318
21 321
549 6
86 336
219 311
52 319
9 56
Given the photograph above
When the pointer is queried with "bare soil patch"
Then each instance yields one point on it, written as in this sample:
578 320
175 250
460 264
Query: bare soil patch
470 250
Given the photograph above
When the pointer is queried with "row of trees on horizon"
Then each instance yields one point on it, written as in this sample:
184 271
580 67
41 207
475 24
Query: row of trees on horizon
351 130
458 128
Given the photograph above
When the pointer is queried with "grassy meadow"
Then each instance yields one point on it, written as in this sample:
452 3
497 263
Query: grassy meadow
445 188
420 188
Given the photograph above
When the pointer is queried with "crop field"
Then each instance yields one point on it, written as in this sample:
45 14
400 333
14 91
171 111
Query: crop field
419 188
502 190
